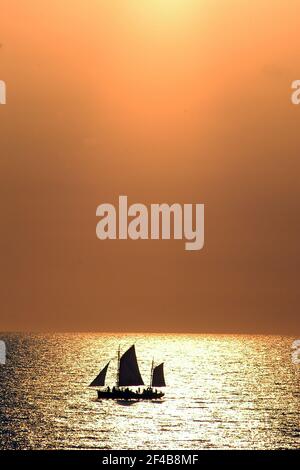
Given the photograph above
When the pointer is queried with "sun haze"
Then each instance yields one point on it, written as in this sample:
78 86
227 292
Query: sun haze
165 101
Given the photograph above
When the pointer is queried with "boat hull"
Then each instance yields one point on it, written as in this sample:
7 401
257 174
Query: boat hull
129 395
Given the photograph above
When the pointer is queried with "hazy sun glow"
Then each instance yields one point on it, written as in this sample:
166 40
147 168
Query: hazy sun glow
162 100
166 14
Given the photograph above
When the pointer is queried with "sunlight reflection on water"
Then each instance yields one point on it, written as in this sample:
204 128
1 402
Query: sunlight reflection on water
223 392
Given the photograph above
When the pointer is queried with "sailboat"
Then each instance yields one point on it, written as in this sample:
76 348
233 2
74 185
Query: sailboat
128 375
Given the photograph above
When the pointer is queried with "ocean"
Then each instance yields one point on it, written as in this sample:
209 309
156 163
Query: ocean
223 392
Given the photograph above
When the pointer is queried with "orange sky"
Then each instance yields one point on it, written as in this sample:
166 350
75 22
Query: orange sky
166 101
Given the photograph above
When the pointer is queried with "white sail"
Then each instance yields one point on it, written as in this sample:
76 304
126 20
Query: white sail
99 381
129 373
158 378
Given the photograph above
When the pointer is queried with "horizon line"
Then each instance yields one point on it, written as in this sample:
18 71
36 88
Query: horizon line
171 333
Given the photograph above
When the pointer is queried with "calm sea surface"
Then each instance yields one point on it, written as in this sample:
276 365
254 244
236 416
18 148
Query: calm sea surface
223 392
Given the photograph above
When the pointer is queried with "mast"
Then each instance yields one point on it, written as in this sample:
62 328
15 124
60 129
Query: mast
151 377
118 369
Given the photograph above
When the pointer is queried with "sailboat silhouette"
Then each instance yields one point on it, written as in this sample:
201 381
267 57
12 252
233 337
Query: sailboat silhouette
128 375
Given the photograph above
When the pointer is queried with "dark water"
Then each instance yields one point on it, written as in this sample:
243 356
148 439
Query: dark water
223 392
